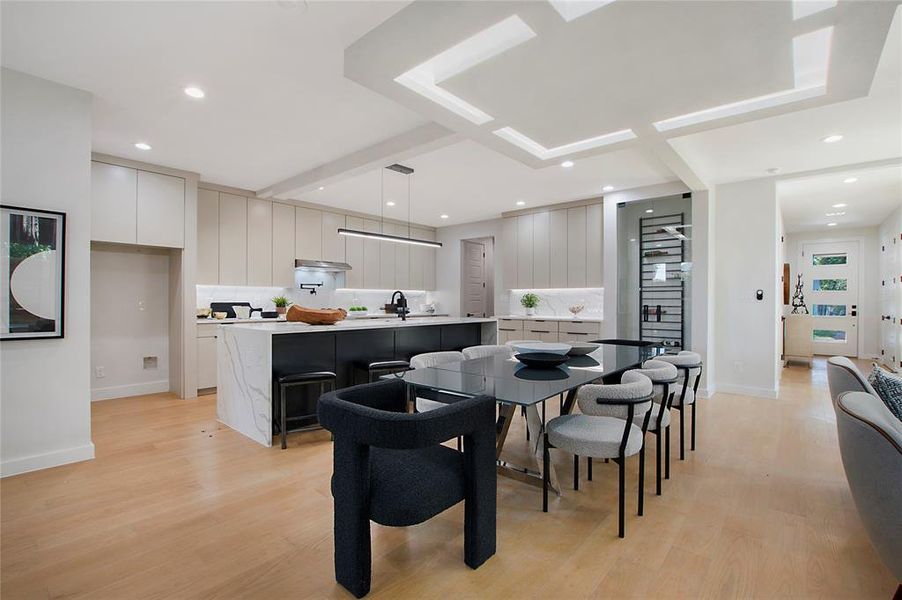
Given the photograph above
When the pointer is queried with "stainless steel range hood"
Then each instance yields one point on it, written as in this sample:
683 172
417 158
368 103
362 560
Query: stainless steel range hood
306 264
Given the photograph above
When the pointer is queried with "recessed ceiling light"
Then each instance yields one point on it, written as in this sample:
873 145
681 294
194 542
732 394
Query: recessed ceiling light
521 203
831 224
836 214
840 205
321 188
835 137
142 146
389 203
443 216
194 92
850 180
649 210
773 170
632 239
567 164
607 188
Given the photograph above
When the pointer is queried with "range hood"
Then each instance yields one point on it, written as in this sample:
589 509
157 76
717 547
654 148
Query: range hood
306 264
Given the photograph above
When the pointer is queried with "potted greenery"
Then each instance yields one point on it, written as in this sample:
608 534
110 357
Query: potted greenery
281 303
529 301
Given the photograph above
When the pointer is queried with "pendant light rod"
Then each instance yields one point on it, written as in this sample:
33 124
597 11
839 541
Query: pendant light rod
388 238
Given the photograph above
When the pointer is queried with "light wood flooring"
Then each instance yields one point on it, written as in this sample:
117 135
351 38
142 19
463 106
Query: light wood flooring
177 506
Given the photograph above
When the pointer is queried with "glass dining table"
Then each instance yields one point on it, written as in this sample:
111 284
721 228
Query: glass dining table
514 384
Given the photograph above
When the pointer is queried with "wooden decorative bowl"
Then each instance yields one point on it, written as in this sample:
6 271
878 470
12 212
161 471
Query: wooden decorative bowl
315 316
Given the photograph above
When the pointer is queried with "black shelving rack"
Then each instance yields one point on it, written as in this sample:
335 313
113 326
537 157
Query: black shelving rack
662 301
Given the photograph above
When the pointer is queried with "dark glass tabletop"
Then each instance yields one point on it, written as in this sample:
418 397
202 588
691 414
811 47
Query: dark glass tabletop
508 380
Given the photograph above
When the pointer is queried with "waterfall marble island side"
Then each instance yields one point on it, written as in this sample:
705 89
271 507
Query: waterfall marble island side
250 356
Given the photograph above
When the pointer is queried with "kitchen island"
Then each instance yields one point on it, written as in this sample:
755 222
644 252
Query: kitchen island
251 356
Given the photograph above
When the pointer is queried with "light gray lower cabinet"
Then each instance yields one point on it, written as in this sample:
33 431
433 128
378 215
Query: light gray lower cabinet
206 356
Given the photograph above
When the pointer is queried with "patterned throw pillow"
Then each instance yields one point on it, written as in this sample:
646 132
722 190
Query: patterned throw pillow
889 388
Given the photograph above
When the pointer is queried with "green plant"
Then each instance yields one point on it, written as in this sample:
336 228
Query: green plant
280 301
529 300
20 250
358 309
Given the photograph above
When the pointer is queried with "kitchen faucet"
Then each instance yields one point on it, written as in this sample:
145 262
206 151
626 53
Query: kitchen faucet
400 305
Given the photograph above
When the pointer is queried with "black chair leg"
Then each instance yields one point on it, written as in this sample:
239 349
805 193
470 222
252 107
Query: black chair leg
575 472
667 453
621 499
545 476
693 425
589 468
682 434
282 419
658 463
642 480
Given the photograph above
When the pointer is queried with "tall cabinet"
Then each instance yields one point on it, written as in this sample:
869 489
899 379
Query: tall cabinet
557 248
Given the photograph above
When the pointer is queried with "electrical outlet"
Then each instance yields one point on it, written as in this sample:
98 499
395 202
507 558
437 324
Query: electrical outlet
150 362
99 372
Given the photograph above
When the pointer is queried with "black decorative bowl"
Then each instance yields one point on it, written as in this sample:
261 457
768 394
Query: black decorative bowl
541 360
540 374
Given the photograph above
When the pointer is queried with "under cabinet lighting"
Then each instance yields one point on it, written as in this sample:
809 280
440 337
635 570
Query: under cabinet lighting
584 289
388 238
371 290
142 146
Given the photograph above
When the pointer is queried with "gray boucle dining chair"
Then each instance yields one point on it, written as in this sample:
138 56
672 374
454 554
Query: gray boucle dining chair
870 444
605 429
685 393
487 350
433 359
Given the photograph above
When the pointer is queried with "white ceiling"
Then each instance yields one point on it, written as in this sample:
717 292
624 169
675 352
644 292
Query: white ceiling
871 126
469 182
277 102
805 202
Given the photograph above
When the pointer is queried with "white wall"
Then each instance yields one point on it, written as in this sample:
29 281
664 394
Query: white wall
447 264
45 392
746 256
868 280
129 321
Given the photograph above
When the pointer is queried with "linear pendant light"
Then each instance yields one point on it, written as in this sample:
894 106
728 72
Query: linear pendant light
385 237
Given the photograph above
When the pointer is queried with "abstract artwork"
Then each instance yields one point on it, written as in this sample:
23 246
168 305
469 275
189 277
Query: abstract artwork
32 260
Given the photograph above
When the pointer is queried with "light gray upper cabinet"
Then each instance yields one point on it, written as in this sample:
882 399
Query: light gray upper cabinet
429 266
114 202
131 206
160 210
594 229
557 255
232 239
524 251
509 252
418 258
553 249
259 242
576 247
308 241
541 223
207 237
388 266
333 244
283 255
372 256
354 254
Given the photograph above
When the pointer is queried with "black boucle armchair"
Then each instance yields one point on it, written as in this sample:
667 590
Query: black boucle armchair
390 467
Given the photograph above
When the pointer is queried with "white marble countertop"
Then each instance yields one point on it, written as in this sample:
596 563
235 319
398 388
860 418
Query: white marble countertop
587 319
212 321
269 328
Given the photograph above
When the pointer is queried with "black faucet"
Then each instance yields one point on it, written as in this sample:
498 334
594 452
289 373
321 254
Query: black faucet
400 305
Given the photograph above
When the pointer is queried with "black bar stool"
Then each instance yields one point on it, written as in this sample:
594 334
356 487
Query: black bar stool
382 367
290 380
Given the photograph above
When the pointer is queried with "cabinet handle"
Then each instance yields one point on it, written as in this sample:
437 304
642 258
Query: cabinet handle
538 331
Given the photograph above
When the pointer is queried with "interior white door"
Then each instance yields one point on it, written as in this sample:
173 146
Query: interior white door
830 276
474 280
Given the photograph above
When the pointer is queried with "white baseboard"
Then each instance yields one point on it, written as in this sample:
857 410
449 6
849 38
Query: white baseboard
45 461
757 392
133 389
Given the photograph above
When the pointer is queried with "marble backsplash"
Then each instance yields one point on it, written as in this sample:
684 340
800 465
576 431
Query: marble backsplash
556 302
261 297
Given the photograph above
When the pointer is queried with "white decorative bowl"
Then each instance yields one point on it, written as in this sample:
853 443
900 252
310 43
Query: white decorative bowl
552 347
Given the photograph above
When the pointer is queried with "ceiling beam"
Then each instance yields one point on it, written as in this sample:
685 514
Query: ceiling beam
415 142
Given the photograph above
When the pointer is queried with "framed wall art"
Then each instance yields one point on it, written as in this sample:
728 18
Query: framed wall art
32 273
